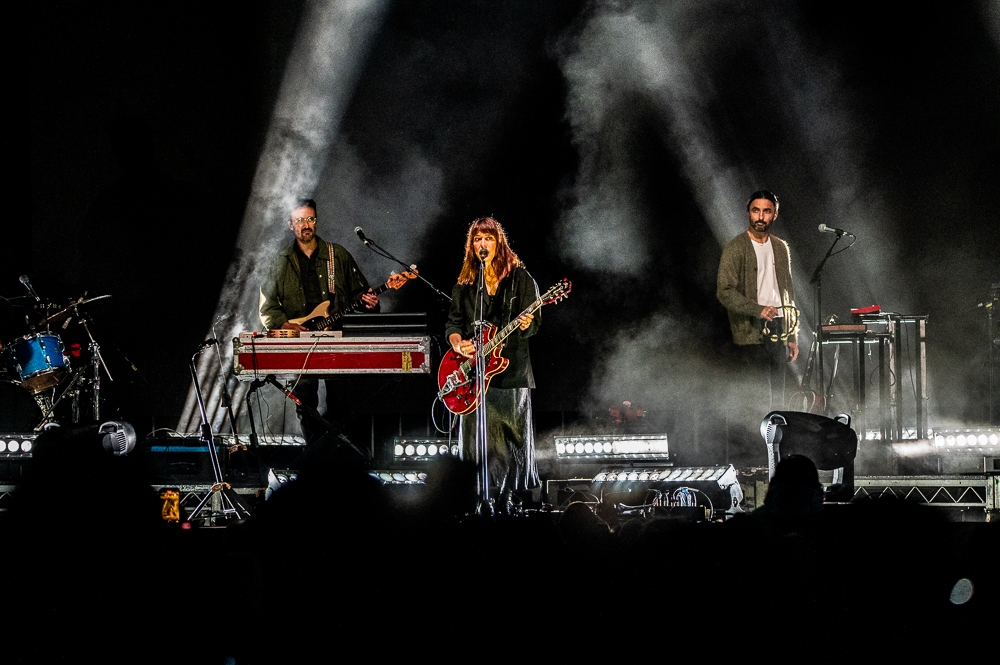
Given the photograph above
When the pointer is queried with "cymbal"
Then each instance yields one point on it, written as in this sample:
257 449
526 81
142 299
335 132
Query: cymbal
65 312
11 299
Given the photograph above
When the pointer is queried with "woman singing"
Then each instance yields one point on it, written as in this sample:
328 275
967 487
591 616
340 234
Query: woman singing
509 291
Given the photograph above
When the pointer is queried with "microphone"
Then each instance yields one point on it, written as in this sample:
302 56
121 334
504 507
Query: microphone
27 285
361 234
207 343
483 253
823 228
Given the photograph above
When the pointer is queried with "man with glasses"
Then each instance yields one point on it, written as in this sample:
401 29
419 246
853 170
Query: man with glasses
303 275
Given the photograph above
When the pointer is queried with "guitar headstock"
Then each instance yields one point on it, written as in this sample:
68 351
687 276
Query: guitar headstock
396 280
557 292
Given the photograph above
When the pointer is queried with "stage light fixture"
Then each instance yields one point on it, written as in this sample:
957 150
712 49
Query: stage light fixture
670 487
830 443
119 437
649 447
17 444
399 476
984 441
406 451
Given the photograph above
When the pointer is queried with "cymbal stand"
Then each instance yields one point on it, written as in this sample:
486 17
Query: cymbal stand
232 505
484 507
96 363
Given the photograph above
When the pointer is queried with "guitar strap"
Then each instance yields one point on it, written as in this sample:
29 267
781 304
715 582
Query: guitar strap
330 281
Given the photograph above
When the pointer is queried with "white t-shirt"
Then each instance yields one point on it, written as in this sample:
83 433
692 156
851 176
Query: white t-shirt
767 280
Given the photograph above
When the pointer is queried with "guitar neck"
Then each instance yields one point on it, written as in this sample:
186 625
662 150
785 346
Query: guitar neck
509 328
353 306
379 291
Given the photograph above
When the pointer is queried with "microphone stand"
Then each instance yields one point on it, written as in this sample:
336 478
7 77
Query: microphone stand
381 251
316 417
232 505
817 279
484 508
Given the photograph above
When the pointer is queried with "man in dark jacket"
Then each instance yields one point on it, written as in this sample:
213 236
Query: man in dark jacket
304 275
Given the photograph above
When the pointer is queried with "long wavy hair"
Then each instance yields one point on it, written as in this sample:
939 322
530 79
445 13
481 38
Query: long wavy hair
504 260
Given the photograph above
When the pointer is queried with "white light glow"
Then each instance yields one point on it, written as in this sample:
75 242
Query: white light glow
330 50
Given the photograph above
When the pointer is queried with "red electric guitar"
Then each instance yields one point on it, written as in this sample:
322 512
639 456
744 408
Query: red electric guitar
457 374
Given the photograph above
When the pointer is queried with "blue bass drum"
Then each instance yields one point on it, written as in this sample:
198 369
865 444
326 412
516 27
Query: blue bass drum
39 361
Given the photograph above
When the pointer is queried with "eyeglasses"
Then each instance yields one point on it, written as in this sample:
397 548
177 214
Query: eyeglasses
304 220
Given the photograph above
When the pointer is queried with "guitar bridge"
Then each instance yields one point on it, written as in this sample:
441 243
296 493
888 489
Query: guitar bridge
452 383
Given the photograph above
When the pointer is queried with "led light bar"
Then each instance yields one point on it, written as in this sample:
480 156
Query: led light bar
980 441
596 448
718 484
407 450
17 444
400 476
724 476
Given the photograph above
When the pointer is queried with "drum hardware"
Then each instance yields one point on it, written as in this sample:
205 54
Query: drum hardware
96 359
73 390
41 362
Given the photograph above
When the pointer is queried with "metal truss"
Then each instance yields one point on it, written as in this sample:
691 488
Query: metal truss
965 491
192 495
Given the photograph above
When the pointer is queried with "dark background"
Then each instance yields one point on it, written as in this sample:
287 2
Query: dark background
147 122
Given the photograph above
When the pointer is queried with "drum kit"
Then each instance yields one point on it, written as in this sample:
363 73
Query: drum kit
39 361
